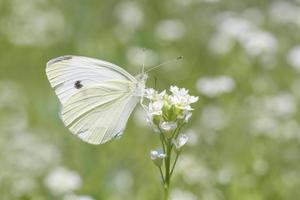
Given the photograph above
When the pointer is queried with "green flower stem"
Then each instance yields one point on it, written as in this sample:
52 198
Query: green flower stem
167 170
162 139
167 146
162 175
172 170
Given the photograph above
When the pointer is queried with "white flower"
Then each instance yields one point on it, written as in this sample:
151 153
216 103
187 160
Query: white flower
61 181
48 24
168 126
155 108
283 104
285 12
180 141
153 95
129 14
178 91
234 26
259 42
157 156
181 99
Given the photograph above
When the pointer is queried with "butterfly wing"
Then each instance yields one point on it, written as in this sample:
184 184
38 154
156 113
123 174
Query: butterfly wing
98 110
64 72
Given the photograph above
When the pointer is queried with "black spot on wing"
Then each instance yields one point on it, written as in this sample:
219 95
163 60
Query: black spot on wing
59 59
78 85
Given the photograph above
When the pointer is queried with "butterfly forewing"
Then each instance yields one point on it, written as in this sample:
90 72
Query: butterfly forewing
97 97
64 72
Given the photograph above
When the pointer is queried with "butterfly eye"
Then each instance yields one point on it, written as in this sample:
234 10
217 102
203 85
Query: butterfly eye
78 85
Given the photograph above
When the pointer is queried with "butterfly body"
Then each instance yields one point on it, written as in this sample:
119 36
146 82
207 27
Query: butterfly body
97 97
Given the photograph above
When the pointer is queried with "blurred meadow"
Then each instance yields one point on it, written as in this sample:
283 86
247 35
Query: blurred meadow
242 58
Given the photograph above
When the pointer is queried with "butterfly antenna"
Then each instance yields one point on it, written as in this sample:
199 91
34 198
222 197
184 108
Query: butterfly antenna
164 63
144 58
155 82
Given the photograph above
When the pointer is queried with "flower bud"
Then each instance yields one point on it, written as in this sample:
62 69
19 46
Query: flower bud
180 142
157 157
168 127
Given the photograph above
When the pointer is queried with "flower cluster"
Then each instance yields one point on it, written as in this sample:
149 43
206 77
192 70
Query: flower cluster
165 111
167 114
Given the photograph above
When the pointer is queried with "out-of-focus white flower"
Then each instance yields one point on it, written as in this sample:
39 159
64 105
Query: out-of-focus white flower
168 126
285 12
263 124
157 156
30 24
180 141
129 14
283 104
77 197
178 194
62 181
170 30
216 86
233 28
29 154
293 57
259 42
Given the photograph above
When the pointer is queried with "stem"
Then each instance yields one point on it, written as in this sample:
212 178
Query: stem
162 142
167 172
166 190
162 175
177 155
167 146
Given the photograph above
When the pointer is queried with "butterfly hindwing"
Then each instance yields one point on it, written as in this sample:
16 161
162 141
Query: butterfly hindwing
99 113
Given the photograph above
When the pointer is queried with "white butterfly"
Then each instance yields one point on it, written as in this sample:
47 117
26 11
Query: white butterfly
97 97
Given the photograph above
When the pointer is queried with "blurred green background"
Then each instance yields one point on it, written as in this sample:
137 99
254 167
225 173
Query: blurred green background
240 57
